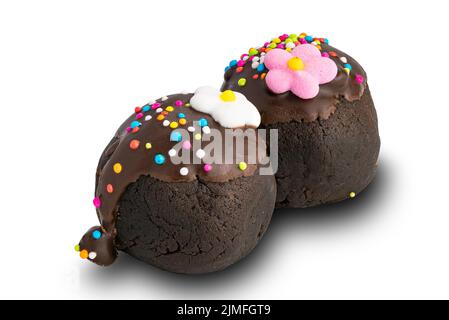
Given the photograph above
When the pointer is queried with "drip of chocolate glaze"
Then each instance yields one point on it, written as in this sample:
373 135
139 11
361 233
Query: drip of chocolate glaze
140 162
286 107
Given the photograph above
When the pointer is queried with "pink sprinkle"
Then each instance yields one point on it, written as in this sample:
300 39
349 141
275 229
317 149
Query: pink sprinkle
139 115
325 54
280 46
97 202
359 78
283 37
251 58
186 145
207 167
241 63
179 103
302 41
243 56
155 105
266 44
128 129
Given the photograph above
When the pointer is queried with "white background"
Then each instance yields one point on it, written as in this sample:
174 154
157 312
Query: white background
72 71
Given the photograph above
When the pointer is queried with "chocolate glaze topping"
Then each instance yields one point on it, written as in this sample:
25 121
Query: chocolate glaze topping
129 156
286 107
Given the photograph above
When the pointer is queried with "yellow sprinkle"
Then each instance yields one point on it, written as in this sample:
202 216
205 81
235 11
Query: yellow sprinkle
182 121
197 136
160 117
117 168
289 49
148 145
352 194
169 109
174 125
243 166
347 70
187 105
228 96
77 248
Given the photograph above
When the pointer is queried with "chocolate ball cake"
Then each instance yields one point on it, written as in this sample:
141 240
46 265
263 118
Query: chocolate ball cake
318 99
165 194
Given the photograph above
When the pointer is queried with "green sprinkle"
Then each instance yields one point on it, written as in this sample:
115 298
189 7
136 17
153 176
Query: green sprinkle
253 52
241 82
243 166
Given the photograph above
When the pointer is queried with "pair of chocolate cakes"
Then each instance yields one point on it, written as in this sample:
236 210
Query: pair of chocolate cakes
166 195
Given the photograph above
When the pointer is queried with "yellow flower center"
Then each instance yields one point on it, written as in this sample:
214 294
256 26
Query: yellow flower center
228 96
295 64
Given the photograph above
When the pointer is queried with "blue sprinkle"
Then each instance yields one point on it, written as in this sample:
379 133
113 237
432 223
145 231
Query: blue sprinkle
96 234
309 38
326 41
261 67
227 68
181 115
135 124
347 65
202 122
146 108
159 159
233 63
175 136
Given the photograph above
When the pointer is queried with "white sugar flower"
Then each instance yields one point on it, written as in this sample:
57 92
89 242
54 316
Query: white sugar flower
229 108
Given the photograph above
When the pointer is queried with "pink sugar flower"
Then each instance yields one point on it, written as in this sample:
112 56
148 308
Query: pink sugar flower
301 71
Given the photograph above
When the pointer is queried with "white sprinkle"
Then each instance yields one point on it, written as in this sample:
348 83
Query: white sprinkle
290 45
164 98
191 129
152 102
166 123
245 58
262 54
254 65
256 59
92 255
206 129
184 171
200 153
262 59
172 152
148 117
344 60
159 110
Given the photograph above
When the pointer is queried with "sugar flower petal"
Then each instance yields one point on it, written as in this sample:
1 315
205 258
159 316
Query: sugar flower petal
306 51
305 85
230 113
279 81
277 59
323 69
